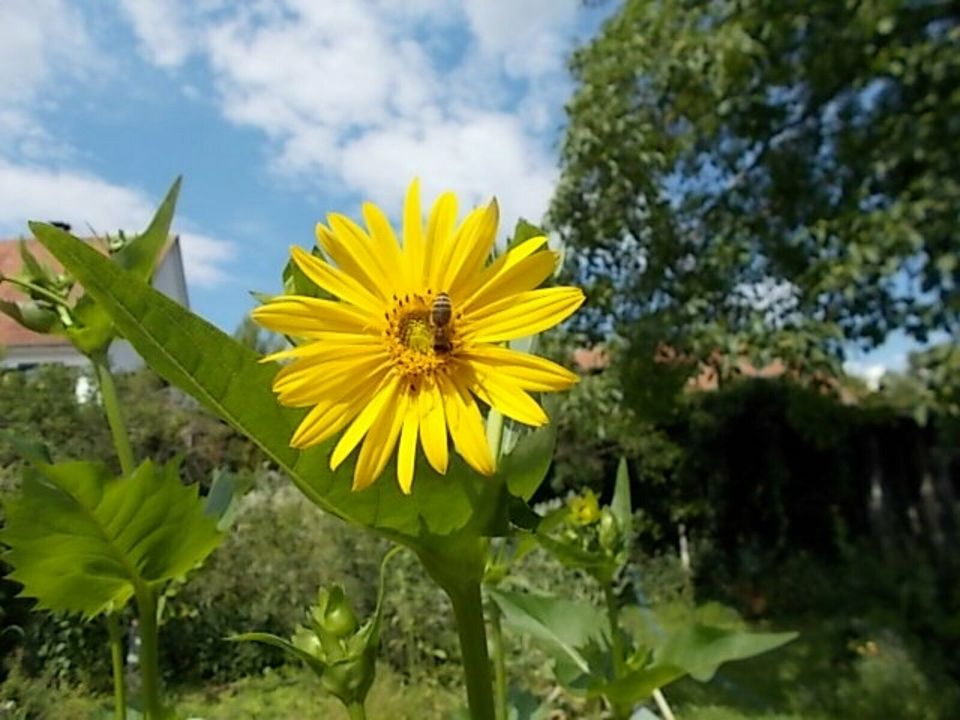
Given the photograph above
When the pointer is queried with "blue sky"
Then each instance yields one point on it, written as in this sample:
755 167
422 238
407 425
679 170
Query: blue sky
277 112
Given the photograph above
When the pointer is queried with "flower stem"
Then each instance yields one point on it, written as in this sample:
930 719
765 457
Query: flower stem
111 406
499 662
149 653
456 564
31 288
468 611
613 616
356 712
616 645
121 440
116 657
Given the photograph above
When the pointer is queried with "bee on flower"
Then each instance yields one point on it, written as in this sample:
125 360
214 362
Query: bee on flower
413 342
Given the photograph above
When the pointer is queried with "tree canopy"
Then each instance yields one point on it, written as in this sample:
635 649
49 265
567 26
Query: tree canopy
768 175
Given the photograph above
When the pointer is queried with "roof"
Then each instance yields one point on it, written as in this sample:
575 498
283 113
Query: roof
12 334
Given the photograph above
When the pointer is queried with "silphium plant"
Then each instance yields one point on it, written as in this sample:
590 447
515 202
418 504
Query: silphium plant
400 347
340 651
82 538
621 652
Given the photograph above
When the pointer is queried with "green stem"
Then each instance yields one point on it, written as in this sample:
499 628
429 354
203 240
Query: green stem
356 712
31 288
468 611
621 712
149 652
456 563
616 643
499 662
116 657
111 406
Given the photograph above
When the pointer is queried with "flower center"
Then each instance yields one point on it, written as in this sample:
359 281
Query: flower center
418 347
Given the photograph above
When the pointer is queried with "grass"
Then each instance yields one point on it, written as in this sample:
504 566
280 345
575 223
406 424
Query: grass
293 693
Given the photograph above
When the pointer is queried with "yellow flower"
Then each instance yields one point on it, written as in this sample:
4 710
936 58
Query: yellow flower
584 509
416 336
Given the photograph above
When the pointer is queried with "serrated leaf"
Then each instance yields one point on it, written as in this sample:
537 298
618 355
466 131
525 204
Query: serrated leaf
81 540
229 379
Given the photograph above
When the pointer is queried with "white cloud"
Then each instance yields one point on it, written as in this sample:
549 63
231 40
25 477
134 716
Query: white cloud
366 94
88 202
477 157
44 48
165 38
529 37
870 373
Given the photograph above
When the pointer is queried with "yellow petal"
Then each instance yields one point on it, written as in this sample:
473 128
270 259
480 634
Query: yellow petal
440 224
309 384
305 316
520 277
328 418
504 396
407 454
338 282
505 261
529 372
522 314
334 346
353 254
466 426
433 427
386 246
379 404
474 244
379 444
413 244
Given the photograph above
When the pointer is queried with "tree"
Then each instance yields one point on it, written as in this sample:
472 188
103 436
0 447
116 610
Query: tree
771 176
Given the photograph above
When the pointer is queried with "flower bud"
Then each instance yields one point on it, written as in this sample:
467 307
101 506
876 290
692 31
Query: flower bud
334 613
609 532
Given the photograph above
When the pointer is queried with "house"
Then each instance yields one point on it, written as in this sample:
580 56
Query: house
22 348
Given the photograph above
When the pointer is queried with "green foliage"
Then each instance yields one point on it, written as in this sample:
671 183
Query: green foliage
929 388
40 406
574 632
292 694
82 540
25 698
341 653
765 178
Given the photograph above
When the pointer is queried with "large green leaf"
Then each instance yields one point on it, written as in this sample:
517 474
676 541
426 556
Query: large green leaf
570 630
94 330
82 540
229 379
140 255
701 649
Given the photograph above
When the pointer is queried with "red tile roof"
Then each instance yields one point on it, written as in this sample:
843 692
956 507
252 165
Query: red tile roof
12 334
